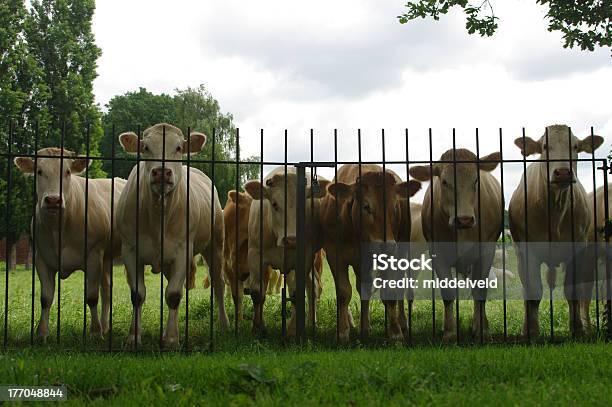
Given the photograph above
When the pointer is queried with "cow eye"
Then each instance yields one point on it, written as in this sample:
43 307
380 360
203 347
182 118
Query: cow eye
39 172
444 183
367 208
145 148
275 206
178 149
67 172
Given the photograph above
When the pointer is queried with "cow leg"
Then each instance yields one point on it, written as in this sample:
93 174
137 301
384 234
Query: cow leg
173 296
578 287
105 291
343 296
529 272
480 271
257 291
402 317
47 292
94 277
218 284
365 303
443 271
135 276
585 288
395 327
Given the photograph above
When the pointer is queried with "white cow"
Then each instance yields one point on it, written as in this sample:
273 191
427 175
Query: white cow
530 225
70 202
168 180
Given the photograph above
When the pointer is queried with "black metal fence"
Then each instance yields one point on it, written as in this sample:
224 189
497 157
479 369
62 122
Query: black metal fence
599 174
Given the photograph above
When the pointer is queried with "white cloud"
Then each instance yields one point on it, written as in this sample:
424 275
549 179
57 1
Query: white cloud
278 64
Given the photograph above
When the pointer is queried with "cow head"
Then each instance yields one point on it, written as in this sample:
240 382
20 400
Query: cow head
49 171
367 198
457 181
162 177
274 192
559 144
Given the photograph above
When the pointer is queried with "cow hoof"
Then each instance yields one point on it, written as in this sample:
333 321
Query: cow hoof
343 338
133 339
170 343
449 337
95 330
395 337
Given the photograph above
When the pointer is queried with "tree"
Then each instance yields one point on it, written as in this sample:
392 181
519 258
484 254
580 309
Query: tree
61 41
22 96
586 24
191 108
47 67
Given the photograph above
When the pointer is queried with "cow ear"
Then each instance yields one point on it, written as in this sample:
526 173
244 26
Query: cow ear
256 190
320 192
195 144
528 146
129 141
408 189
231 195
423 172
340 190
589 144
79 164
25 165
490 162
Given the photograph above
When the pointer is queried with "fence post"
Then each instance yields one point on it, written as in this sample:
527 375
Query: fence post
300 272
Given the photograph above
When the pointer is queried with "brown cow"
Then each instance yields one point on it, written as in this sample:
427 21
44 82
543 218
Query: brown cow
348 196
566 192
70 202
167 182
455 212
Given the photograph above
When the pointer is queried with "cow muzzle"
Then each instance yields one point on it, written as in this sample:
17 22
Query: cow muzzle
52 203
290 242
162 176
465 222
562 176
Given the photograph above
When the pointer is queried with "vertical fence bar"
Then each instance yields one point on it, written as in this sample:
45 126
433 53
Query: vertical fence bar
362 312
33 233
526 242
262 292
549 223
312 305
161 240
300 282
137 298
595 232
112 239
408 229
237 239
189 257
384 190
7 249
481 303
284 290
432 237
211 266
85 251
575 308
59 234
455 237
337 228
503 228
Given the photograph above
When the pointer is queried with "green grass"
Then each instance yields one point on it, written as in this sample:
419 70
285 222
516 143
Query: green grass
263 369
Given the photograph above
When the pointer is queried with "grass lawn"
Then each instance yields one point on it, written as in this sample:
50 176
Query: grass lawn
246 369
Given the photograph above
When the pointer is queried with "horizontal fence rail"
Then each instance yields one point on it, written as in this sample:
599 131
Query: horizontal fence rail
402 255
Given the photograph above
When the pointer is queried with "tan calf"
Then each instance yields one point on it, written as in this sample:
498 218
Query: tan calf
342 236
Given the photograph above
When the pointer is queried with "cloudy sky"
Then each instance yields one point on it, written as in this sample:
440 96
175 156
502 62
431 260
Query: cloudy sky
348 65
